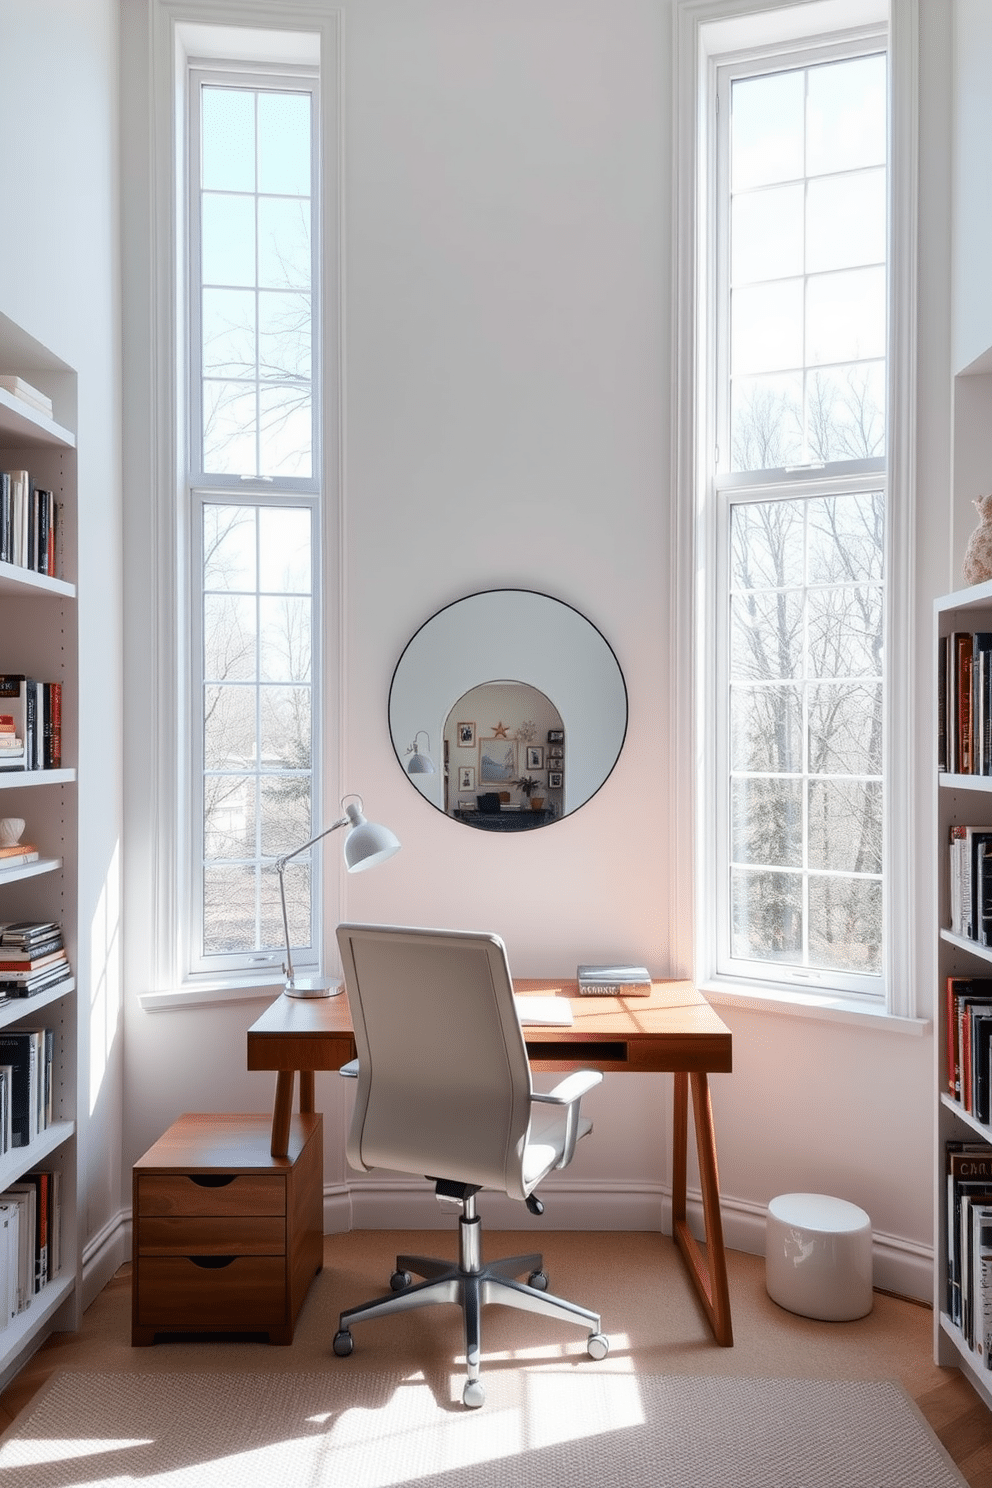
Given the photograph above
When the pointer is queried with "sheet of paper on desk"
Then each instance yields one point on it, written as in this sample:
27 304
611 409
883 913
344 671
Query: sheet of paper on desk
547 1010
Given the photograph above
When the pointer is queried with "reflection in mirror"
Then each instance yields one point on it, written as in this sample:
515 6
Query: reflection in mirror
526 700
495 744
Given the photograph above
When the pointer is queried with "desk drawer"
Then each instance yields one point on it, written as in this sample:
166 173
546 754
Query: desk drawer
214 1235
175 1292
211 1193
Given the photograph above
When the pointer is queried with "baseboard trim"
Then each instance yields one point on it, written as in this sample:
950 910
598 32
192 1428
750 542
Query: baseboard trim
104 1253
901 1266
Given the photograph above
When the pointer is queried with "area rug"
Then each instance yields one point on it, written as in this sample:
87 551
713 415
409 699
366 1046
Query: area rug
555 1428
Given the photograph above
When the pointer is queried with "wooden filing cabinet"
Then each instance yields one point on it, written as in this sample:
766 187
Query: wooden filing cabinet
227 1238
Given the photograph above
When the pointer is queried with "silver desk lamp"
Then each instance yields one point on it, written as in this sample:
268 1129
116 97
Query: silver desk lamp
366 844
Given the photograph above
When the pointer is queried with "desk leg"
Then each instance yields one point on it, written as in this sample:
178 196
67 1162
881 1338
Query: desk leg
282 1112
307 1091
709 1273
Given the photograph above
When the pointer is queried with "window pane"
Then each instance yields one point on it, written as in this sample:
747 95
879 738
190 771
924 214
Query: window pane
228 242
807 288
766 636
845 825
229 548
284 143
845 538
766 327
766 416
229 909
846 924
845 632
845 316
257 719
845 412
228 333
228 139
845 221
767 138
766 728
766 916
229 638
845 729
766 234
256 236
846 115
284 336
283 243
767 822
767 544
284 550
229 428
286 422
805 789
284 639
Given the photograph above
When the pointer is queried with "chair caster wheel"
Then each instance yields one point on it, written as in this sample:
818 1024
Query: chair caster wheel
598 1346
343 1343
473 1394
538 1280
399 1281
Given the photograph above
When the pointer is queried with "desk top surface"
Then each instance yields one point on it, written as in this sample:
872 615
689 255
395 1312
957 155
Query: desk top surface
674 1027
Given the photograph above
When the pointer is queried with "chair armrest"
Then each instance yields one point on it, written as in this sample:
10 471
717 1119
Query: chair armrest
349 1070
569 1093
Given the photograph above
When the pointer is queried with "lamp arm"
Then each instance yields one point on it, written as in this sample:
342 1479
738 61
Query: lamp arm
280 868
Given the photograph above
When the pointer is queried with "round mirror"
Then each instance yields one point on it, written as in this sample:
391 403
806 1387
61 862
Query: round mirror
507 710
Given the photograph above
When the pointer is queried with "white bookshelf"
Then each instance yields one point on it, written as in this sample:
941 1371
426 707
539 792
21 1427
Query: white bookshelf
38 637
960 800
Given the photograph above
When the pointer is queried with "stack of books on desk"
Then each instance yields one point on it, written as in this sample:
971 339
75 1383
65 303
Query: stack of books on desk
613 981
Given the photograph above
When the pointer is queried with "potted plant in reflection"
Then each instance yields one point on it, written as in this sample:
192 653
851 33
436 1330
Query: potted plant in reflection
528 785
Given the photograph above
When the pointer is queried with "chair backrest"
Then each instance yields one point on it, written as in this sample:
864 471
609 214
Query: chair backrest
444 1081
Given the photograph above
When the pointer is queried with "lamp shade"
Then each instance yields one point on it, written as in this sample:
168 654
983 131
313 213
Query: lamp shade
367 843
420 764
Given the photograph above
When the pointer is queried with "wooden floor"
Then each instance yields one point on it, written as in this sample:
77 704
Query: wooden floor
945 1398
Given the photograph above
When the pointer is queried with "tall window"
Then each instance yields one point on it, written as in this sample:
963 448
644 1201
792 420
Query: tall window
798 490
254 510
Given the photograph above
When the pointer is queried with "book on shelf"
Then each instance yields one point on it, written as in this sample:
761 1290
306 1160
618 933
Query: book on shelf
27 392
968 1167
27 932
964 703
29 523
11 860
9 1250
961 995
24 1051
28 956
34 708
26 984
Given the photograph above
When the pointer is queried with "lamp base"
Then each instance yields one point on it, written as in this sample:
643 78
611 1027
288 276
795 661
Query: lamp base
313 987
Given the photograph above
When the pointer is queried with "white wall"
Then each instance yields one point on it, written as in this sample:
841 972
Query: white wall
507 229
60 281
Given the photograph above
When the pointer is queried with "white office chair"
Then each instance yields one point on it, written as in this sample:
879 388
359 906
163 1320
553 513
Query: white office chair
444 1090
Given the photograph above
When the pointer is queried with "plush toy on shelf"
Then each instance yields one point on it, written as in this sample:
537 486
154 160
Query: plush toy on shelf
978 554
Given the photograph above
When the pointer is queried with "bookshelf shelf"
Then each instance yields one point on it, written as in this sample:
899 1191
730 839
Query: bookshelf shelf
39 639
17 580
24 1007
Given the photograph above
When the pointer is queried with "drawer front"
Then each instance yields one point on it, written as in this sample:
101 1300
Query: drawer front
211 1193
213 1236
174 1292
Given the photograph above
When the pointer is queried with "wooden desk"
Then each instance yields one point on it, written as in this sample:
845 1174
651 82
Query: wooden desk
673 1030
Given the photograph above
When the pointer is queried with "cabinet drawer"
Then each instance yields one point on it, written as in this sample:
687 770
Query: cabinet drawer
214 1235
174 1292
211 1193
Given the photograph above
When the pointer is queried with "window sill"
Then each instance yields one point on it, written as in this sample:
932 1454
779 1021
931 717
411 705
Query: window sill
210 994
824 1007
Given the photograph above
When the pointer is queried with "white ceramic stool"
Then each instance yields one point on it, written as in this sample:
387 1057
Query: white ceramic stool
818 1256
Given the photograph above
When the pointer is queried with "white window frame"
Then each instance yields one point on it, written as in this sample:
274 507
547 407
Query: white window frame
707 33
263 34
202 489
